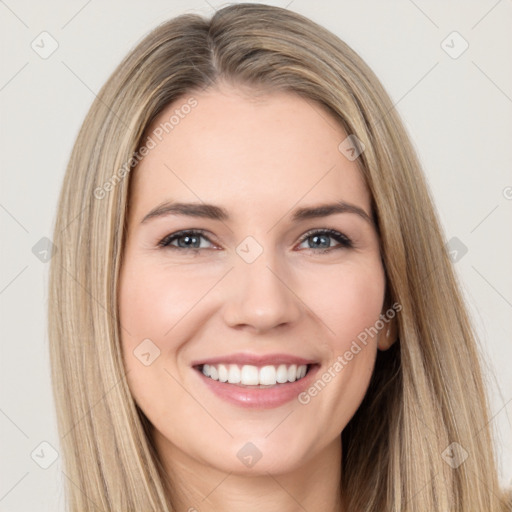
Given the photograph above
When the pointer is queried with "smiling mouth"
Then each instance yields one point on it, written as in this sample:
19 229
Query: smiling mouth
252 376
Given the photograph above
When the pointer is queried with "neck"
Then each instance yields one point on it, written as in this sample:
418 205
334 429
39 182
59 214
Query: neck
197 487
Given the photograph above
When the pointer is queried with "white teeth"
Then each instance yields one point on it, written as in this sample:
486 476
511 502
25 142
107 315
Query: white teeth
234 374
250 375
282 374
292 372
268 375
223 373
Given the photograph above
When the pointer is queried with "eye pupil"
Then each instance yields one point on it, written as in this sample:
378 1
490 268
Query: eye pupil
189 241
317 238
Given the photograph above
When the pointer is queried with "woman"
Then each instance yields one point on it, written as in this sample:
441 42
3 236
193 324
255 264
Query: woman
251 305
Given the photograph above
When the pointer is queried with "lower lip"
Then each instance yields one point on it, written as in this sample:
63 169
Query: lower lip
259 398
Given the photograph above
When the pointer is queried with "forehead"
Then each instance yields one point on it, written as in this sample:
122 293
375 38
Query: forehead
256 151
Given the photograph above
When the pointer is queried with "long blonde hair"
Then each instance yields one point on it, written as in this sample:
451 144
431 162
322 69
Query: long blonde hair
427 390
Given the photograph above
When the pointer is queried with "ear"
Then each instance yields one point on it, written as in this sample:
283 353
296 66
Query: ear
389 333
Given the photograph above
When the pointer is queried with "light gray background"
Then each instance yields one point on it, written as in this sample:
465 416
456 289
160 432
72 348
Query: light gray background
457 110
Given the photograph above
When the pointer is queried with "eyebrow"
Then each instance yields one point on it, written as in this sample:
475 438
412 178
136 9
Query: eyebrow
210 211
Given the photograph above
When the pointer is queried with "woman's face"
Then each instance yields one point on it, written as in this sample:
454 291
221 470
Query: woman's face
257 291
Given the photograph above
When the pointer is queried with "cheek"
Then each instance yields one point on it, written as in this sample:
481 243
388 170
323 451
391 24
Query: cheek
349 303
154 303
153 307
160 303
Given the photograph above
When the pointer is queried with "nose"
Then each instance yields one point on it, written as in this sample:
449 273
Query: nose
260 295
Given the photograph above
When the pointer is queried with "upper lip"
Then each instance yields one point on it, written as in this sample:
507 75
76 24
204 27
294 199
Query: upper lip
255 359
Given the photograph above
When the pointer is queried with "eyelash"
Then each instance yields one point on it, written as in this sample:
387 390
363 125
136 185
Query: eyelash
343 240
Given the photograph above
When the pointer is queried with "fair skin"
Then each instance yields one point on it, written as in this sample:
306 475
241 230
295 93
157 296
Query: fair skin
260 159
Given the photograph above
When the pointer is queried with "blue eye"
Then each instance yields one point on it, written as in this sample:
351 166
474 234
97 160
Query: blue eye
321 240
186 240
320 237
